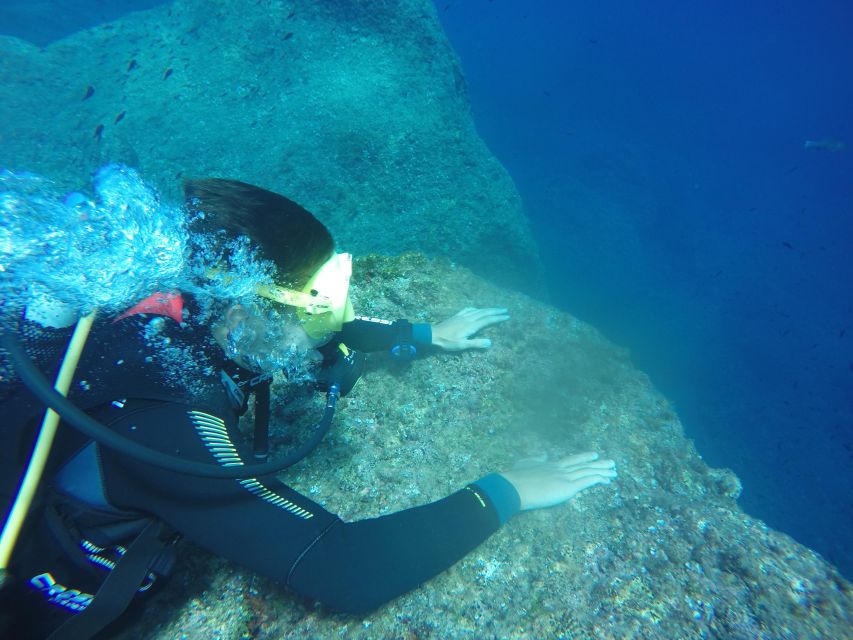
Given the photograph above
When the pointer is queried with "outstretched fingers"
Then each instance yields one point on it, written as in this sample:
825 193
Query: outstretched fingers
478 343
587 466
476 320
586 472
577 458
482 318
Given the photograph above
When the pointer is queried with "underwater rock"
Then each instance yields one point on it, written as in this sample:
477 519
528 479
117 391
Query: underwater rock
357 110
662 552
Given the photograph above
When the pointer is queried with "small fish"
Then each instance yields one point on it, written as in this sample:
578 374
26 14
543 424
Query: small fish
825 145
99 131
717 275
290 15
288 35
90 91
841 333
132 65
167 73
787 245
119 117
752 209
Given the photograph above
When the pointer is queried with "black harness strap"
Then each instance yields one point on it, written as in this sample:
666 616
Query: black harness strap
66 535
118 589
262 421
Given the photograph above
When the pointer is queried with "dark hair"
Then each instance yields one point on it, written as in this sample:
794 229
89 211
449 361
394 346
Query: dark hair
285 232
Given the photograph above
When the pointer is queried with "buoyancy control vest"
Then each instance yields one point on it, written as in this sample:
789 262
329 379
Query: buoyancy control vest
95 549
140 355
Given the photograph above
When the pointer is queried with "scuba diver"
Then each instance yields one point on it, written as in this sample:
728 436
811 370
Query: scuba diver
157 452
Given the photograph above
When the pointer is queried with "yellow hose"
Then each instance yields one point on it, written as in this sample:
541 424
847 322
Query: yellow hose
45 440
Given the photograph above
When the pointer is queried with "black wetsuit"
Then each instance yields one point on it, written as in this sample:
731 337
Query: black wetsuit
259 523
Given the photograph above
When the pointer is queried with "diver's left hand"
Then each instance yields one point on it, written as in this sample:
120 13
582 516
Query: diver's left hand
542 484
454 334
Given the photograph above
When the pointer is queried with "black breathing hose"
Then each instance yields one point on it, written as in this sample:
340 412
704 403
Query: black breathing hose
88 426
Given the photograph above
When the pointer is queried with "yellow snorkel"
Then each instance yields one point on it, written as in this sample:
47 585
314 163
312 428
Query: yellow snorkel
323 305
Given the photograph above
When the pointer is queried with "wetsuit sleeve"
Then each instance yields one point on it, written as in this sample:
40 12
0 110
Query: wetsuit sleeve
378 335
268 527
359 565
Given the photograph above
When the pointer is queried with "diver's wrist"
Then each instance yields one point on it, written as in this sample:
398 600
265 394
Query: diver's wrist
502 493
422 333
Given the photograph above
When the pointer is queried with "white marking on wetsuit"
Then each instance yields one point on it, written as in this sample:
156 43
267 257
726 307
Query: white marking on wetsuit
72 599
214 435
376 320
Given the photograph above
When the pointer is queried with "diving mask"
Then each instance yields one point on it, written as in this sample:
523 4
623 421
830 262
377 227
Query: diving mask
323 305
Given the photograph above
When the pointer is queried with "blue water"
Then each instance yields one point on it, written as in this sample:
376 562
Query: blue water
43 21
659 149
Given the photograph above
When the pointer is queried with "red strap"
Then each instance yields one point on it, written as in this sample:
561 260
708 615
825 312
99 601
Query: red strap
162 304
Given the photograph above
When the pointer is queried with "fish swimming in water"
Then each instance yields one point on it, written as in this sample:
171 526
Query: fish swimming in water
825 145
99 131
90 91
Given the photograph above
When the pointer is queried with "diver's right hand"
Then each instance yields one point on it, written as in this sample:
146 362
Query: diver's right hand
541 484
454 334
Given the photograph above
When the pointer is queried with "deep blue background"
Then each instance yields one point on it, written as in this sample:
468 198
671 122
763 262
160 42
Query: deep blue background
659 150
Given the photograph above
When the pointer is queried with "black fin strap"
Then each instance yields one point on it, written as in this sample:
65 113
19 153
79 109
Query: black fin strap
118 589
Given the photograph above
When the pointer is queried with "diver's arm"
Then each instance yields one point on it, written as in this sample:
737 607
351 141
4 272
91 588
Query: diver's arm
358 566
268 527
273 530
453 334
373 334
